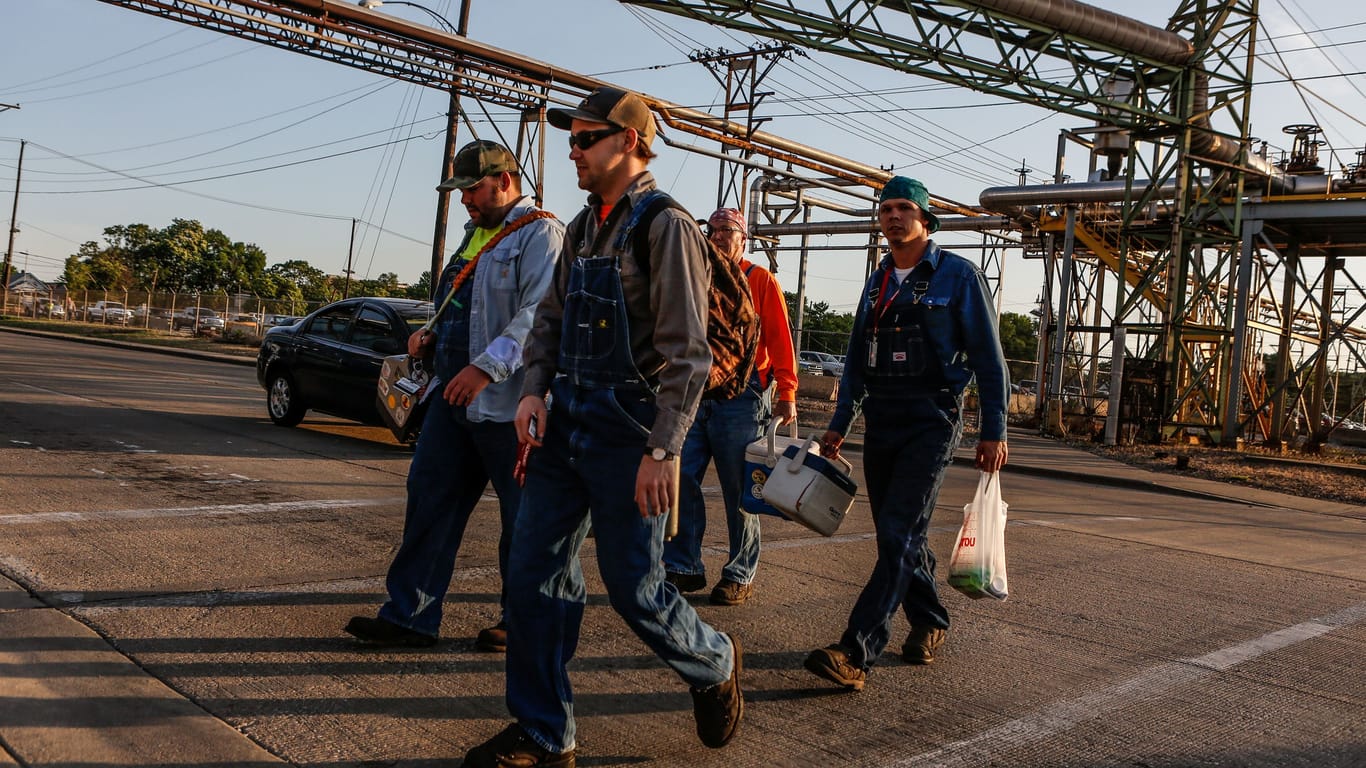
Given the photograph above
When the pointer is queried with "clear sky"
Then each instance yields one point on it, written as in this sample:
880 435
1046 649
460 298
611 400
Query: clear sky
137 119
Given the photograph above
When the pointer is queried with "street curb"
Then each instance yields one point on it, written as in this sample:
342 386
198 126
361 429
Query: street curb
217 357
1093 479
1115 482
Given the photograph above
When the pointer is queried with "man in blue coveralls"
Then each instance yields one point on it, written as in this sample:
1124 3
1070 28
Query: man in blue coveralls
925 326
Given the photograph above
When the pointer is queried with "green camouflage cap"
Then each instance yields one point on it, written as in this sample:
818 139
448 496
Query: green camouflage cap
476 160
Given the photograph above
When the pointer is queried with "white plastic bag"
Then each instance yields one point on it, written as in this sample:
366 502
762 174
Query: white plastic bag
977 567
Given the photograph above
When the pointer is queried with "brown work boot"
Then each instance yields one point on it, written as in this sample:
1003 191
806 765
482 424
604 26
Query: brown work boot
513 748
729 592
921 644
832 663
494 639
719 709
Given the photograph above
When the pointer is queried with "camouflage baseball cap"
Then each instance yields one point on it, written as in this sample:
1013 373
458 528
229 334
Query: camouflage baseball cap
476 160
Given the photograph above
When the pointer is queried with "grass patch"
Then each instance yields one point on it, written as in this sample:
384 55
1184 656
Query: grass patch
244 345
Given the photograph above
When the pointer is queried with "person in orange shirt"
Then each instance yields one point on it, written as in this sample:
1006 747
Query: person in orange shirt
723 428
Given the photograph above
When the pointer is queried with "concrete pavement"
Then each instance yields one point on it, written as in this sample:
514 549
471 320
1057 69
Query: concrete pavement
72 697
123 715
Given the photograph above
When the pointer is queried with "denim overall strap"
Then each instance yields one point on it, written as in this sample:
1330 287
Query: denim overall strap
595 333
898 358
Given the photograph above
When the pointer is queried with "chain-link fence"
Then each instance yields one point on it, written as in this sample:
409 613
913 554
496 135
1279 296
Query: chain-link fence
162 311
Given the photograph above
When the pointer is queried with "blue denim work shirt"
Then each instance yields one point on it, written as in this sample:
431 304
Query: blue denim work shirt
508 283
961 328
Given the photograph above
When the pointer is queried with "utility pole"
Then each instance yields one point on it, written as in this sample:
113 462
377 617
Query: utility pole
740 74
13 229
350 250
443 196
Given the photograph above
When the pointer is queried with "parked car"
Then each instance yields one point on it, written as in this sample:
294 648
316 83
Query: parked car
143 311
809 364
277 320
829 364
248 323
108 312
42 307
198 320
330 360
1029 386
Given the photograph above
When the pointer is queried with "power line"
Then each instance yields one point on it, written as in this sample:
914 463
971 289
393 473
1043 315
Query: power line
384 83
136 48
121 86
215 198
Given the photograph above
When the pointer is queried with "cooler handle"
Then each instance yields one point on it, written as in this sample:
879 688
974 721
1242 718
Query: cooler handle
814 443
772 432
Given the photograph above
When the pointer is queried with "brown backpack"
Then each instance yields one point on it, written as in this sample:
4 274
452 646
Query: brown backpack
732 322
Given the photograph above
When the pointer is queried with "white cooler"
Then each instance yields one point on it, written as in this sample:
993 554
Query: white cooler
761 456
809 489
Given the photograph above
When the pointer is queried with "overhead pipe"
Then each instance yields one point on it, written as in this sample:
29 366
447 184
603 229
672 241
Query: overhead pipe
946 224
574 85
1099 26
1144 40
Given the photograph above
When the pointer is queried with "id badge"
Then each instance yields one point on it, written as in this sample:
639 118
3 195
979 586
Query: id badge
872 354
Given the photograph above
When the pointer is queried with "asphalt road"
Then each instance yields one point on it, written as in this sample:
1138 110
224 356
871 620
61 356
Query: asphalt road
177 570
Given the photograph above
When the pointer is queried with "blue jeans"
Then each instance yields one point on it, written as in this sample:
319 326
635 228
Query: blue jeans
908 446
454 462
586 469
720 432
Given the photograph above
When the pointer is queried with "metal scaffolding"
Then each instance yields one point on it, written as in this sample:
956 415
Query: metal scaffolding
1180 266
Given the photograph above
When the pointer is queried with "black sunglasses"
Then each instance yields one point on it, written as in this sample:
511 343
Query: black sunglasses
585 139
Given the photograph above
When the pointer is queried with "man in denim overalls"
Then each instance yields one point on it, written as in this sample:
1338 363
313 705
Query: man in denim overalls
624 357
467 438
924 327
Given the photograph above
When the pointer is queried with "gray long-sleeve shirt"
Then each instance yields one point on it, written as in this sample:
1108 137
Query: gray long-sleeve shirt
667 313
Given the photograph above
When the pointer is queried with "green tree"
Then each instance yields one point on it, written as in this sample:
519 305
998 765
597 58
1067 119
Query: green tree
312 282
384 285
177 250
823 330
93 267
1019 336
422 289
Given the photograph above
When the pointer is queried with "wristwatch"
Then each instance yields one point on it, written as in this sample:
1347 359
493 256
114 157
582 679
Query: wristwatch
659 454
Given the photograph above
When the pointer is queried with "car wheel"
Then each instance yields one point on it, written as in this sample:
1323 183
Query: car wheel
283 404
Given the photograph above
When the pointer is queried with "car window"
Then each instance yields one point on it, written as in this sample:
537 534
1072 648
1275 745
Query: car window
416 315
332 323
373 331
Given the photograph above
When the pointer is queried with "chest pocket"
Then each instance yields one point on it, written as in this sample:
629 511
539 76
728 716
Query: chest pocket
936 310
591 313
896 351
503 263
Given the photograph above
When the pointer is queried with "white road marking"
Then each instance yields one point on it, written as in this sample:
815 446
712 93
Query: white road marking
218 509
985 747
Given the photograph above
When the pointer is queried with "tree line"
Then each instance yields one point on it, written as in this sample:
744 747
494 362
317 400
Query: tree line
184 257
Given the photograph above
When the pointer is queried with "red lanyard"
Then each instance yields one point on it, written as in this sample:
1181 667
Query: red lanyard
882 292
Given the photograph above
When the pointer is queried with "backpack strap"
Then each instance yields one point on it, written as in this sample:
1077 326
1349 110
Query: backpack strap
637 228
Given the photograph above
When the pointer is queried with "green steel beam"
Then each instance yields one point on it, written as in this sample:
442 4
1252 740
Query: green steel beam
962 43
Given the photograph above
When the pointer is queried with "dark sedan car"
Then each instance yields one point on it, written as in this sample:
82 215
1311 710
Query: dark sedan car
330 360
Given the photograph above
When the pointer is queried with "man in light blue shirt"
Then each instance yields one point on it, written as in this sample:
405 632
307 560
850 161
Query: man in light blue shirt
475 351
